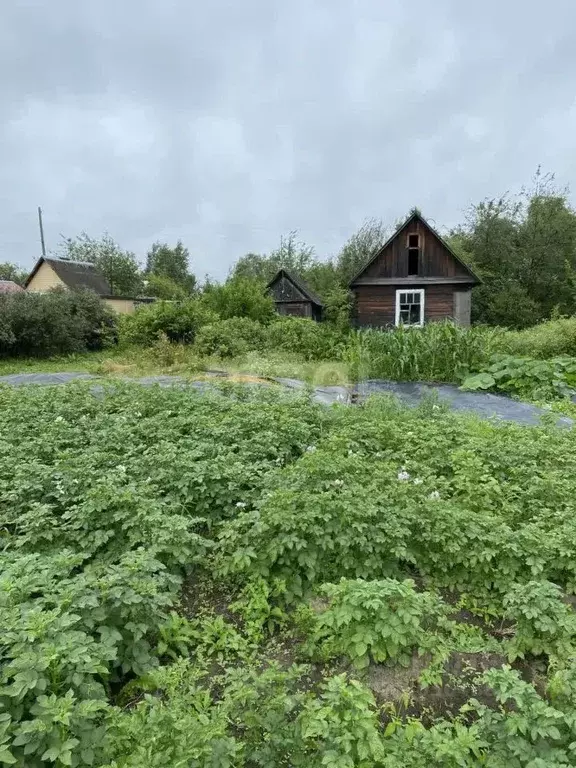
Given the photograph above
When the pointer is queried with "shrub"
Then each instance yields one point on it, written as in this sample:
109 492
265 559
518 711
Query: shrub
163 287
179 321
57 322
504 303
311 340
230 338
549 339
239 297
168 354
337 308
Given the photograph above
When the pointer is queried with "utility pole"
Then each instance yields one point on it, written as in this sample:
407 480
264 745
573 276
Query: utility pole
41 231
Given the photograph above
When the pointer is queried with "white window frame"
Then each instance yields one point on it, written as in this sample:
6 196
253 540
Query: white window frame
410 290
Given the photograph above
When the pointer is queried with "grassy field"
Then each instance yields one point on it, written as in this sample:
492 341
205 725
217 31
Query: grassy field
182 361
541 361
244 578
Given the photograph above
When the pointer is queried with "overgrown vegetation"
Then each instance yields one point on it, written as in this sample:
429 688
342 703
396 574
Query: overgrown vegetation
243 578
527 377
188 337
58 322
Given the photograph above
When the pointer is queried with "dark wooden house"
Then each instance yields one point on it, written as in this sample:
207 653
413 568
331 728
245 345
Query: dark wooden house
414 278
293 297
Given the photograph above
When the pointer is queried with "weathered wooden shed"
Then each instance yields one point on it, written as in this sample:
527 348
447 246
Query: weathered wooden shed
414 278
293 297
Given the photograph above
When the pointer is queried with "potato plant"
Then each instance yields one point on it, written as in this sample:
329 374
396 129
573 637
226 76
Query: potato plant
161 551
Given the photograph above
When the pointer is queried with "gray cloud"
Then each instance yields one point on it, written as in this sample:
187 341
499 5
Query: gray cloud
227 124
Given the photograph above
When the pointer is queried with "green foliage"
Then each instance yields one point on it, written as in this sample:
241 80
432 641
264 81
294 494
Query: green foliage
526 377
95 539
324 278
172 264
164 288
436 352
119 267
257 605
230 338
239 297
504 303
360 248
179 321
525 249
544 622
525 730
180 729
160 547
290 254
341 727
175 636
9 271
394 489
376 620
298 335
337 308
57 322
553 338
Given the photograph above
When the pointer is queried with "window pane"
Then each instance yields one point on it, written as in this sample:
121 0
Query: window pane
414 313
410 307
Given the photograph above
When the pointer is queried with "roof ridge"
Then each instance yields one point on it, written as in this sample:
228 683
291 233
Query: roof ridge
414 214
299 283
70 261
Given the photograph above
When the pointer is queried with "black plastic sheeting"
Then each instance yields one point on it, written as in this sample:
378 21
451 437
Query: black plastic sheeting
483 404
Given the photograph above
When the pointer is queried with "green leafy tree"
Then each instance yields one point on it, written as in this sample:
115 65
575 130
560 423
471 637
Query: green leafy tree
254 266
163 287
173 263
547 245
323 277
9 271
524 248
360 248
292 254
239 297
337 307
506 303
120 267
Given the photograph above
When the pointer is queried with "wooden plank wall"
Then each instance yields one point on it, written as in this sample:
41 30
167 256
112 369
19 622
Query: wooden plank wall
298 309
376 304
285 290
435 259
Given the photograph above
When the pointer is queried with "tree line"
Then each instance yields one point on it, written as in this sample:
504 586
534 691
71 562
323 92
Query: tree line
523 247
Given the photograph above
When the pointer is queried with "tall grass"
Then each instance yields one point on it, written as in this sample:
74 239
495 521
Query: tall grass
551 338
438 352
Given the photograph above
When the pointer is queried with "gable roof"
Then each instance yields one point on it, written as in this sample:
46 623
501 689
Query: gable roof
9 286
299 283
416 215
75 274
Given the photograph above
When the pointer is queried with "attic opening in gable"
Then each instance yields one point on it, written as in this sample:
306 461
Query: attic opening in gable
413 254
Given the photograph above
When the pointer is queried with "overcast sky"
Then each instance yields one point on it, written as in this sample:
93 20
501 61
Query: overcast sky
230 122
